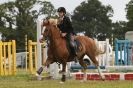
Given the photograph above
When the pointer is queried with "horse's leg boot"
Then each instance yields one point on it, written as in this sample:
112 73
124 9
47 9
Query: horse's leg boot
40 70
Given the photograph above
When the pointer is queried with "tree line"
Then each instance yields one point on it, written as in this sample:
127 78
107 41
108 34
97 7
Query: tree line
18 18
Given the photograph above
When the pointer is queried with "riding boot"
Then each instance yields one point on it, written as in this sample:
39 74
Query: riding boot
76 58
74 54
75 51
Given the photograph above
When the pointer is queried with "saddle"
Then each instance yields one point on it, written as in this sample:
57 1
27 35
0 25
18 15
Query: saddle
77 47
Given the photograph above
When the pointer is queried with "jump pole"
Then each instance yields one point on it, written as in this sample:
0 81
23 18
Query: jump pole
39 53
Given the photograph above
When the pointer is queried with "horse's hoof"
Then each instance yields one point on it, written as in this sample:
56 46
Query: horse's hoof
37 74
39 77
103 78
61 82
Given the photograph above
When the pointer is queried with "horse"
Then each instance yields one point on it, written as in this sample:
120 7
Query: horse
58 50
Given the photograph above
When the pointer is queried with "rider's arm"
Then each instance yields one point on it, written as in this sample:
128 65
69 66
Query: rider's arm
68 25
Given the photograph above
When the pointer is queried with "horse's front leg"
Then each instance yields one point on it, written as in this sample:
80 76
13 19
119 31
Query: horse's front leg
47 63
63 79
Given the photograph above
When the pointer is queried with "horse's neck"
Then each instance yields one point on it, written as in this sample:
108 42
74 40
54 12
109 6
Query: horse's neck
55 37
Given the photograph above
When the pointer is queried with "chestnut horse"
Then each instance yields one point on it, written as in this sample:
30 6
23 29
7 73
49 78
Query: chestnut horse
58 51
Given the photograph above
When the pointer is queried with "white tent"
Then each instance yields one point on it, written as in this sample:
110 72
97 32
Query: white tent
129 35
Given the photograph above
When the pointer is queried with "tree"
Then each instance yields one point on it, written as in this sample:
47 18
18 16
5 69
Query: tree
2 22
20 18
6 19
93 18
129 9
119 29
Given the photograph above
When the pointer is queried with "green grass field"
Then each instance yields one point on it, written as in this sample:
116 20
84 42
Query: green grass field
29 81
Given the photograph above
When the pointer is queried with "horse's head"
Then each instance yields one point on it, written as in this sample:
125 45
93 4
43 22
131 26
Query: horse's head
50 22
51 27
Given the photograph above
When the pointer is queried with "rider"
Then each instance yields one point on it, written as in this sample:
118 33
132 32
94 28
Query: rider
65 26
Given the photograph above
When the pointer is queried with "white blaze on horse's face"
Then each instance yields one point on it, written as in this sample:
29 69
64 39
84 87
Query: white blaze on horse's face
43 29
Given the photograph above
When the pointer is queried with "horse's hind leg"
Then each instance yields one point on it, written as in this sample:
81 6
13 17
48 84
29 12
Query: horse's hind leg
82 63
63 79
93 59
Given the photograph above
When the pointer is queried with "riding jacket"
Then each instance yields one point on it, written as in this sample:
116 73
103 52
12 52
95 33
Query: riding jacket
65 25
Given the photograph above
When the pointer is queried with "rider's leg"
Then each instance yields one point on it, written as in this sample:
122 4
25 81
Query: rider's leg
71 42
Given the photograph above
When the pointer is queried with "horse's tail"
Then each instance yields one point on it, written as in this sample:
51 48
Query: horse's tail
98 51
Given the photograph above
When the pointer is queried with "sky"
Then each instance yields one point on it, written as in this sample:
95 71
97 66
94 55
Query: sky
117 5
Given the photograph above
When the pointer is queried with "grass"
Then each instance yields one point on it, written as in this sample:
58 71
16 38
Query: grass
29 81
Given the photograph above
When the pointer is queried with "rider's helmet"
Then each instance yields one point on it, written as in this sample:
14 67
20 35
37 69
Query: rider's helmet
61 9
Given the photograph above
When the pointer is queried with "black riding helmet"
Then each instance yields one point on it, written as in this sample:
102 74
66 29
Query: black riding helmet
61 9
